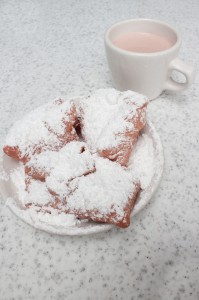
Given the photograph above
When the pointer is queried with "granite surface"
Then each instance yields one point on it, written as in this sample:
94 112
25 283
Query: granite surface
53 48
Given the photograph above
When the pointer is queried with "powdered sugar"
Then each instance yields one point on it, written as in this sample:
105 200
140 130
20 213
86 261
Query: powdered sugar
111 184
3 175
38 193
112 136
101 187
53 222
105 116
41 127
57 219
72 164
141 163
106 190
17 177
16 189
71 161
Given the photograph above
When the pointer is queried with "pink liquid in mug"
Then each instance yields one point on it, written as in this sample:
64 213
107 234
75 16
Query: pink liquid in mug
142 42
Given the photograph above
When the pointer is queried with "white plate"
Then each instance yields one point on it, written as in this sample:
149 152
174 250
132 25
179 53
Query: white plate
11 193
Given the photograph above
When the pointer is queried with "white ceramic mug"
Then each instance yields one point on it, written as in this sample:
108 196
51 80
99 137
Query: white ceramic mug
146 73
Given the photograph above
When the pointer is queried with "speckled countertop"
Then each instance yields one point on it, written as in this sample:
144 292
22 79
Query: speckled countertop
52 48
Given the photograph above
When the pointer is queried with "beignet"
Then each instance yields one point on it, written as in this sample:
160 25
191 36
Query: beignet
111 122
106 195
48 127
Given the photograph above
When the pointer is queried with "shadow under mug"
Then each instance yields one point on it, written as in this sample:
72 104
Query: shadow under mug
146 73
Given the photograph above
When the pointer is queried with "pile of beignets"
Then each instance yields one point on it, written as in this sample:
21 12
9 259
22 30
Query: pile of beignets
75 152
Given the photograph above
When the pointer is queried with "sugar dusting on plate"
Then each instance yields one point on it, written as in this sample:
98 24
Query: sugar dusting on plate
45 220
142 161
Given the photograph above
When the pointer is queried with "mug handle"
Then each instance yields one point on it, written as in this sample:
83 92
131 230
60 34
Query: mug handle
187 70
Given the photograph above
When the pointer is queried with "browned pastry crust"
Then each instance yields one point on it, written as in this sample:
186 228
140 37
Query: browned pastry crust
122 152
68 136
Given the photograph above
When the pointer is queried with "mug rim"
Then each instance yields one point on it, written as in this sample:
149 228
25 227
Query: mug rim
131 53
